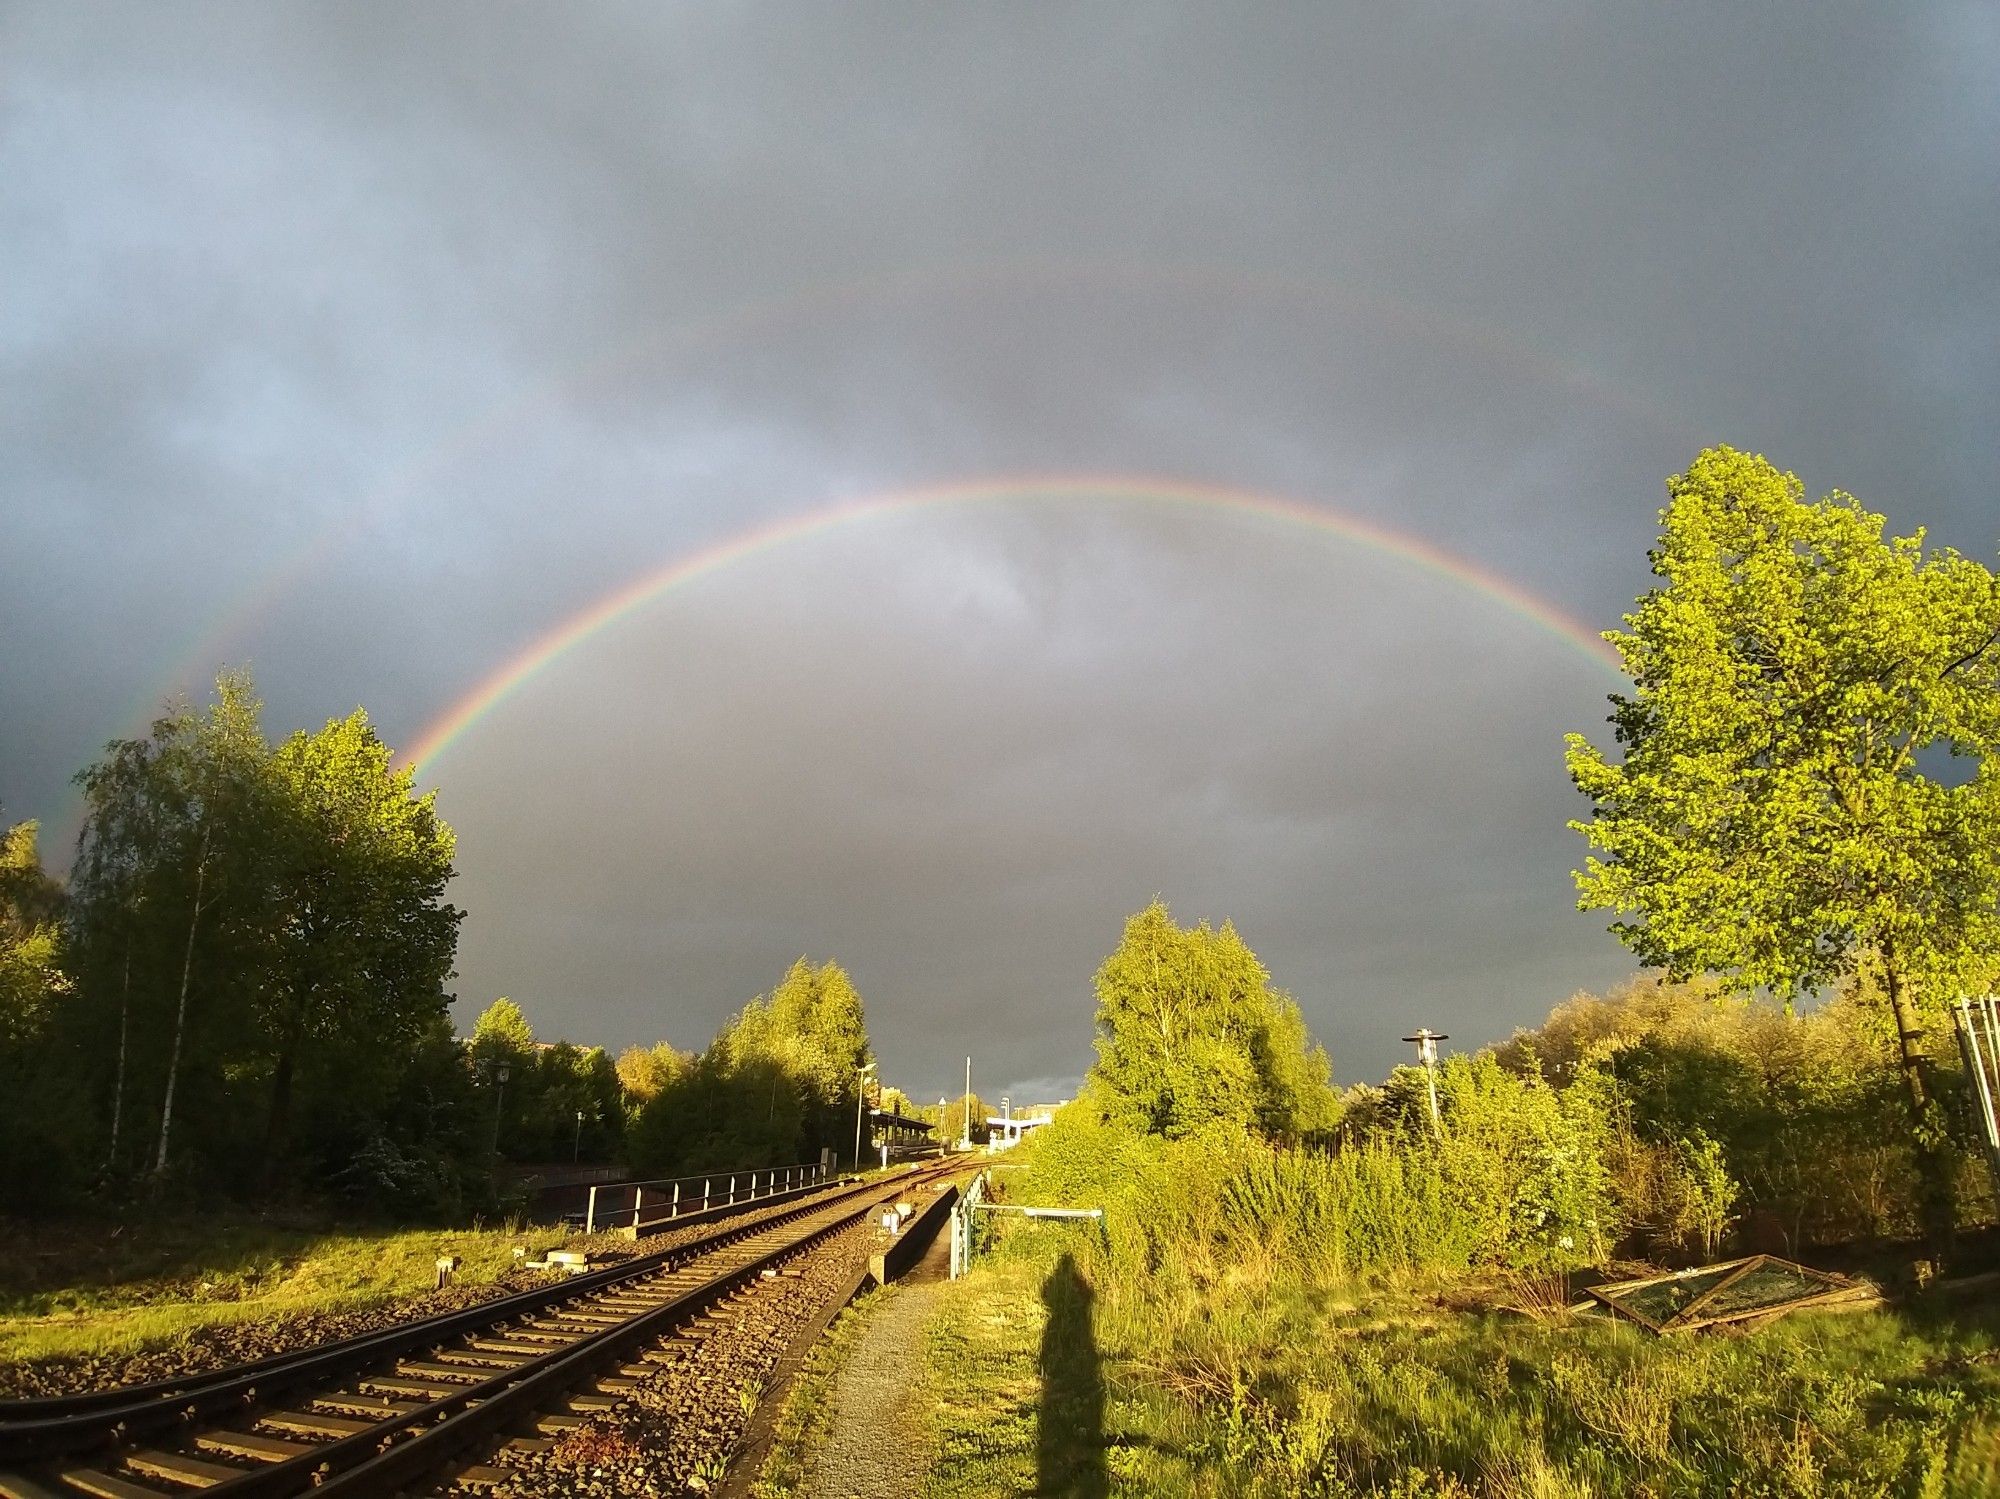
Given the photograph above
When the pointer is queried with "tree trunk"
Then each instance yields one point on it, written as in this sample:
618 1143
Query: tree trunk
180 1012
118 1082
278 1121
1935 1196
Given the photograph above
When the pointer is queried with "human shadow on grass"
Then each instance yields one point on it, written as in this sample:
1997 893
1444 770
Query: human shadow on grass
1069 1438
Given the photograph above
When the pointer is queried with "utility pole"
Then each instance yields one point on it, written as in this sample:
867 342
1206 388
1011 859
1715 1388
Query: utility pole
1426 1041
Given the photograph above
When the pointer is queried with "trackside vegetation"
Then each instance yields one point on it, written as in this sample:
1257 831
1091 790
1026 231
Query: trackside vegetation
1810 780
238 998
1295 1294
1388 1313
77 1292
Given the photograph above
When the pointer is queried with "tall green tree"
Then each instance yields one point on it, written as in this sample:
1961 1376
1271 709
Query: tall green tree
255 925
362 937
819 1036
180 830
1190 1034
777 1084
503 1059
1810 769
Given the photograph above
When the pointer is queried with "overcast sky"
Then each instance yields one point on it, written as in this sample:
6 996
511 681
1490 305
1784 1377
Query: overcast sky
366 344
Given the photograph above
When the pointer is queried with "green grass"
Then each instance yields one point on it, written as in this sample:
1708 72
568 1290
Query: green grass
103 1289
1274 1384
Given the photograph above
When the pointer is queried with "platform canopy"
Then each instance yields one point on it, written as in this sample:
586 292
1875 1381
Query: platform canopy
899 1121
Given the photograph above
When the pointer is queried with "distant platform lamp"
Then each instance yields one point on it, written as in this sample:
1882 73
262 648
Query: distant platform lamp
1426 1041
860 1094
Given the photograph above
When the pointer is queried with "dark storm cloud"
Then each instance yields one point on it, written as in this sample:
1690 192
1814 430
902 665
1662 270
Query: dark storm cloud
956 749
450 320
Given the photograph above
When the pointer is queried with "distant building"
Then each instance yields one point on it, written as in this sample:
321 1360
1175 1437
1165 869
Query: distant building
1009 1128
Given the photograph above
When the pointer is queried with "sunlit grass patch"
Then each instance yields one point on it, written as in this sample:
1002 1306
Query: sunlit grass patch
153 1284
1393 1398
1272 1383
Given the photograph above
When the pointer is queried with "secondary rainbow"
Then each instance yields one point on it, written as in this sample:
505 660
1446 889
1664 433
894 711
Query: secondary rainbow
525 666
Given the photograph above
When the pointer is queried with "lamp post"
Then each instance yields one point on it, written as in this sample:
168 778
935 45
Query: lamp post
941 1107
1426 1041
499 1070
860 1095
965 1132
576 1151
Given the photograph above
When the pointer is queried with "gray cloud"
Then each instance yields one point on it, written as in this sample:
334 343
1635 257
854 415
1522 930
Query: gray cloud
367 344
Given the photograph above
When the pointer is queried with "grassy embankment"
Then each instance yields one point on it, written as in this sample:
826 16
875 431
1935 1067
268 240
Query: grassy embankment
1318 1335
1280 1385
91 1289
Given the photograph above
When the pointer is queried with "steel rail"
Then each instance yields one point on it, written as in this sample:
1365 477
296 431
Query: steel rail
482 1418
36 1431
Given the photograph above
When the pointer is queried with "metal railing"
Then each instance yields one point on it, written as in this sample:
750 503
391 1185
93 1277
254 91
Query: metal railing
669 1197
1979 1044
977 1198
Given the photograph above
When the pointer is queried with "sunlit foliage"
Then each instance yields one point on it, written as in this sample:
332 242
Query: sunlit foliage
1191 1035
1810 779
778 1084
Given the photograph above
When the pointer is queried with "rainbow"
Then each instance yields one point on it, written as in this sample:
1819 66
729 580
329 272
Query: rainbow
543 652
203 650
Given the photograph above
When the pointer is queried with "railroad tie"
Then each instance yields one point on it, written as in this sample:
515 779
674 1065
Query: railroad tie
21 1486
540 1332
453 1373
430 1389
314 1423
178 1467
480 1361
106 1485
252 1444
509 1344
378 1407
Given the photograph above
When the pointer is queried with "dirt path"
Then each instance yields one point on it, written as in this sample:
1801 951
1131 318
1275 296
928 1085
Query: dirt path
873 1450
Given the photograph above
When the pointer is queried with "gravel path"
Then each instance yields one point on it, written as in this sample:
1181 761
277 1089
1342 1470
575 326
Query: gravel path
874 1450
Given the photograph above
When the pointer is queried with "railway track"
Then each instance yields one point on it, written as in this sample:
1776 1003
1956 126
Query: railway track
450 1399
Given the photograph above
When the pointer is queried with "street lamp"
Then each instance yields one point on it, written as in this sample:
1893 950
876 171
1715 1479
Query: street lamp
576 1152
498 1072
941 1105
860 1094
